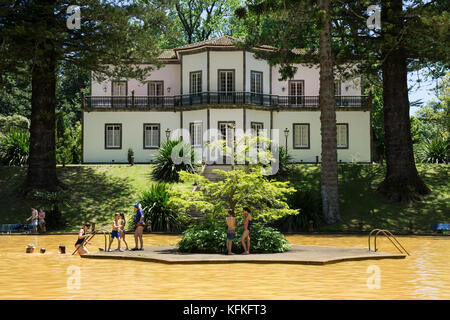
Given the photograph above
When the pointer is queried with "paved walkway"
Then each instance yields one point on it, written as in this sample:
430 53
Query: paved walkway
296 255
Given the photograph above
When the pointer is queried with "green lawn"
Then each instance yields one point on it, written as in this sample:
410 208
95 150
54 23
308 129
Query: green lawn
359 200
98 191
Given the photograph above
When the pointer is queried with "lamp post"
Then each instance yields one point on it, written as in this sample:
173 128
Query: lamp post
167 134
286 133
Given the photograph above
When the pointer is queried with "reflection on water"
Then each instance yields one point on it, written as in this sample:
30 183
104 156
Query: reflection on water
424 275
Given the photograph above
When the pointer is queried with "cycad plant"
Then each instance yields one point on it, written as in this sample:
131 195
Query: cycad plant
158 212
14 148
166 169
436 150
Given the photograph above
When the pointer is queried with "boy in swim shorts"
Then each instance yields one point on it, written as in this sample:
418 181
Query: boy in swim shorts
231 231
115 232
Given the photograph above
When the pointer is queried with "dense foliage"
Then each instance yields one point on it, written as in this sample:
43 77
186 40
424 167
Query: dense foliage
238 189
165 168
209 236
158 213
436 150
307 200
14 147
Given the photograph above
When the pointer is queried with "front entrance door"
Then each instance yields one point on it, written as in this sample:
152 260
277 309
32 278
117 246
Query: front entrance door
226 130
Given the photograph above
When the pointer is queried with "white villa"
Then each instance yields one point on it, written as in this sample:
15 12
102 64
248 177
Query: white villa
213 85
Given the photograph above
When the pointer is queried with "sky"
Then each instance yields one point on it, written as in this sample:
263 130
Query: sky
420 91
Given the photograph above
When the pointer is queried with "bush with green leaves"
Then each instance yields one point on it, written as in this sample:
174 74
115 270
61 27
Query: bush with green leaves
165 169
285 166
158 213
15 147
14 122
237 189
308 201
209 236
436 150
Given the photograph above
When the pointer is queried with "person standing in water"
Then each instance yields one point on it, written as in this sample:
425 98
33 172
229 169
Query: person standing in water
34 219
79 245
115 232
122 229
231 231
245 240
139 219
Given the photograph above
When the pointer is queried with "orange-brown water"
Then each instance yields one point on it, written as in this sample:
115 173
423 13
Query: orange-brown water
424 275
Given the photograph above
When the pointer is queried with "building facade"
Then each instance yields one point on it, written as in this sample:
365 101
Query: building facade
213 86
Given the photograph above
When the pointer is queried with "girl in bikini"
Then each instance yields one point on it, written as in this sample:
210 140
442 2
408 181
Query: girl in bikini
245 239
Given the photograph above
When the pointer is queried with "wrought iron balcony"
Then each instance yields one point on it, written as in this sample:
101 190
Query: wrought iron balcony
218 98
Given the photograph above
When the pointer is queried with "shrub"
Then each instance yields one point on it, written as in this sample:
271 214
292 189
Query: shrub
210 237
14 122
308 202
436 150
284 163
130 156
158 212
165 169
15 147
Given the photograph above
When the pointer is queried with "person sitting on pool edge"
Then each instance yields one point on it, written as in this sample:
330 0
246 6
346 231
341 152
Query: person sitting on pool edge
231 231
115 232
246 234
139 219
79 245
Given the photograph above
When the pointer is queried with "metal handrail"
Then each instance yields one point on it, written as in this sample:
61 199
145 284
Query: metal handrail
221 98
388 235
92 235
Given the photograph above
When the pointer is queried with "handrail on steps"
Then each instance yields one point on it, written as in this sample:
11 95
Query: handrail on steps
390 237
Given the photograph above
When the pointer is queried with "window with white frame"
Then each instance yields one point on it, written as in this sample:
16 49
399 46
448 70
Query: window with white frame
113 136
155 88
195 82
151 135
256 82
342 135
196 132
337 88
119 88
301 135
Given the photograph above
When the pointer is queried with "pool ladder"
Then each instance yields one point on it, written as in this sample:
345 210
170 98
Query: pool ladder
390 237
93 234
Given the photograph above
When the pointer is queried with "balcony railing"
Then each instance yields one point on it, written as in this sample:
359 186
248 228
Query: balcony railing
218 98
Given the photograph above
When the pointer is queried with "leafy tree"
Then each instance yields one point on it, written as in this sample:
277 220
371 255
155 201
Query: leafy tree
238 189
290 32
34 35
201 19
410 38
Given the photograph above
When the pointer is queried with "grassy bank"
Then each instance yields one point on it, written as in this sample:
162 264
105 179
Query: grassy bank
97 191
359 201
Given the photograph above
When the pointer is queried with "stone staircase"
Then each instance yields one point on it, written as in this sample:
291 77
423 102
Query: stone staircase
208 173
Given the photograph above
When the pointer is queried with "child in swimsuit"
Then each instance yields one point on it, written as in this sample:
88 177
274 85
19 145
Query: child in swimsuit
115 232
122 229
79 245
245 240
42 219
231 231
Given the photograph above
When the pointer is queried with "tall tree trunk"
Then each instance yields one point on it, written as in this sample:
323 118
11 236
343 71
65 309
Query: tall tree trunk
42 160
329 173
402 181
